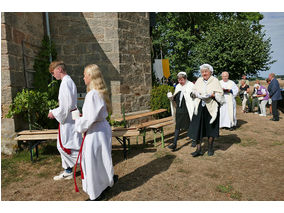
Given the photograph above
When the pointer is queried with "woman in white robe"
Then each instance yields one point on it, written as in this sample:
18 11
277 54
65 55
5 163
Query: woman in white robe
95 153
228 118
182 106
68 140
208 95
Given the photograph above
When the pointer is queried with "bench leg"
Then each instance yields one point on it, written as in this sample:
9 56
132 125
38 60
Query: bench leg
37 150
128 141
144 137
162 137
31 150
137 140
124 148
155 137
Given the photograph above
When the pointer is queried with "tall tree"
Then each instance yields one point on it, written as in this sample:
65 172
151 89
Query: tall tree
235 46
176 35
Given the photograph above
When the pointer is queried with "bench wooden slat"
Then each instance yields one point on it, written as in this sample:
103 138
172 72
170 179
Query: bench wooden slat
153 122
37 132
36 137
140 115
28 135
125 133
156 126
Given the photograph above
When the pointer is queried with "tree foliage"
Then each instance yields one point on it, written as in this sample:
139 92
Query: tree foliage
33 104
174 36
180 37
236 47
42 77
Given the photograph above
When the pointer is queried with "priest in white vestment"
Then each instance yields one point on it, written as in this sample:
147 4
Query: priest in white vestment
228 117
95 154
68 141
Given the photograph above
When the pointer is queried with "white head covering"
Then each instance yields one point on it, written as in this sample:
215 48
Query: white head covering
206 66
181 73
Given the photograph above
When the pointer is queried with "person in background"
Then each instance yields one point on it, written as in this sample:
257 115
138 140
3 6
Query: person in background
263 96
269 99
244 77
95 153
255 101
275 95
244 95
182 105
68 141
228 117
208 94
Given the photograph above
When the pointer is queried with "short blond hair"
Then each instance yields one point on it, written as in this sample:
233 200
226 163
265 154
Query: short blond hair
97 82
56 64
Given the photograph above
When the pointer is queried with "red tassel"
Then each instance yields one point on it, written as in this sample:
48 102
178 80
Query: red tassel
79 156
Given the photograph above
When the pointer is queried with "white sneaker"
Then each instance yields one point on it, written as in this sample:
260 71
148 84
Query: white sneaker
256 113
262 115
64 176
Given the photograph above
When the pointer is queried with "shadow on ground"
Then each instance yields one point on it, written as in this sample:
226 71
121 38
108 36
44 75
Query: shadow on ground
140 176
240 123
224 142
117 152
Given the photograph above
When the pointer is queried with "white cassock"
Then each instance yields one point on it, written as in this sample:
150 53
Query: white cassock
70 139
228 109
96 159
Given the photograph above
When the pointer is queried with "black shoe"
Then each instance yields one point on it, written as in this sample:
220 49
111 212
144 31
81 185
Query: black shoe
196 153
232 129
172 147
115 179
210 152
193 144
273 119
99 198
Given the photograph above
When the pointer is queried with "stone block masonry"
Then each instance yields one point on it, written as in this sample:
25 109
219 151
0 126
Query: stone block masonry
119 43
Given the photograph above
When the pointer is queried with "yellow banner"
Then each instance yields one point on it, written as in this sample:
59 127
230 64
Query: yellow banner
166 68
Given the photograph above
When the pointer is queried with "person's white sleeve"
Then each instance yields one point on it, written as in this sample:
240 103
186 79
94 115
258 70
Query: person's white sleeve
93 105
235 90
65 103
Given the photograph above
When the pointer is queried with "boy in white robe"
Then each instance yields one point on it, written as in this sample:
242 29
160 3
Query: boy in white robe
228 109
68 141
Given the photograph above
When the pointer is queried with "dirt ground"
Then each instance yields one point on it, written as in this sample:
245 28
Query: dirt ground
248 165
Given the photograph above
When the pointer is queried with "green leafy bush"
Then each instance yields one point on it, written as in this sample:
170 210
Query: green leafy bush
33 106
159 99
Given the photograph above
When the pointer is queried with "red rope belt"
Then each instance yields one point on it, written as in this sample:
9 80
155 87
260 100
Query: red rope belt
68 151
79 156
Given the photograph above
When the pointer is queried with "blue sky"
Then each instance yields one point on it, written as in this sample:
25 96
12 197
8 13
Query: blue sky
274 26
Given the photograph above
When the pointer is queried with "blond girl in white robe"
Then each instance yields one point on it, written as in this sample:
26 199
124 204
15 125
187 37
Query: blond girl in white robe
95 153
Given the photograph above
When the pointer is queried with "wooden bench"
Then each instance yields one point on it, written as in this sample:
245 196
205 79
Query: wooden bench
160 128
140 115
36 137
155 125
